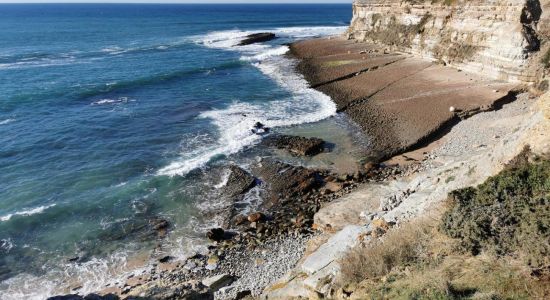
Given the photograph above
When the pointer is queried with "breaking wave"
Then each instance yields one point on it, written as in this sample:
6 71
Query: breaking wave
234 123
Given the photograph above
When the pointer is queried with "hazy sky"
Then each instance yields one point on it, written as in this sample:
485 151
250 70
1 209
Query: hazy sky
176 1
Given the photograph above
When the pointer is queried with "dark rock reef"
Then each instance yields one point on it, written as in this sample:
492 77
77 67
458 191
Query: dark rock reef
257 38
296 145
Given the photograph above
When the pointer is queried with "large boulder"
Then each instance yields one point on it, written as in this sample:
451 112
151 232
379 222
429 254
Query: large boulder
257 38
239 182
296 144
285 181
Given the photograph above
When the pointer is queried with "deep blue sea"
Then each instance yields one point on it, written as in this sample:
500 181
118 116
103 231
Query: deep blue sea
112 115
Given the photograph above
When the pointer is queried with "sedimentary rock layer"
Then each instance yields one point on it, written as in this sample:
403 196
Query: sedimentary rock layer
491 38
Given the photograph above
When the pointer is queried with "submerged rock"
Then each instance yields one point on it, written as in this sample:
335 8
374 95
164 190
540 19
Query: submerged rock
296 144
257 38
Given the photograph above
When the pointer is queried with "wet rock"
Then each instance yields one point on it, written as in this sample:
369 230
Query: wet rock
240 219
296 144
239 182
285 181
257 38
255 217
87 297
218 281
216 234
165 259
260 129
98 297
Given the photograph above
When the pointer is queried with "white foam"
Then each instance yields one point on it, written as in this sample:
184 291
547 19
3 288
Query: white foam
27 212
234 123
112 101
6 121
6 244
224 178
92 275
40 62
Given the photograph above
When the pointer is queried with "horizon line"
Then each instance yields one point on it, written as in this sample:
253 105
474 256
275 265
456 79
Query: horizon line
175 3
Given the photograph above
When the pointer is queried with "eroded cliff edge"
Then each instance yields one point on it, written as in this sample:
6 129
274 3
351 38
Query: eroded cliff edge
500 39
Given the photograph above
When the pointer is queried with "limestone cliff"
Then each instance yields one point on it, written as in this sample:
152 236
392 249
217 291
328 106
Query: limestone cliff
500 39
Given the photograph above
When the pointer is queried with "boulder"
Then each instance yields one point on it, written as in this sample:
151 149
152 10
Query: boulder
296 145
334 187
255 217
285 181
217 282
239 182
216 234
257 38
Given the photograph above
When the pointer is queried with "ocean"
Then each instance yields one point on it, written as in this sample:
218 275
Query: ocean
115 115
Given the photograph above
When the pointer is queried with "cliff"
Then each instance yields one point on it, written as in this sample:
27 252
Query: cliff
500 39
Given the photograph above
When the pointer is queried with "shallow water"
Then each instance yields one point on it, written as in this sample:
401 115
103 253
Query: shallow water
113 115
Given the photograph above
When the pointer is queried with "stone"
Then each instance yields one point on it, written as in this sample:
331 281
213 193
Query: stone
296 145
239 182
242 294
257 38
216 234
333 249
380 223
333 187
217 282
214 259
165 259
240 219
255 217
370 166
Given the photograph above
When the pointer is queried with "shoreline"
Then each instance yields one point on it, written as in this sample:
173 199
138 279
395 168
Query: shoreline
250 252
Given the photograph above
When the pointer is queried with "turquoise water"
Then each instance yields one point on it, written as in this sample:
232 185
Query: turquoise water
112 115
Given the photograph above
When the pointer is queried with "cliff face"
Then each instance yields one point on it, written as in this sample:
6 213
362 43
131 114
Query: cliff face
500 39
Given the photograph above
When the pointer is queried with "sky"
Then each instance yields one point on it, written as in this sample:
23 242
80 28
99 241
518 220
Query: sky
176 1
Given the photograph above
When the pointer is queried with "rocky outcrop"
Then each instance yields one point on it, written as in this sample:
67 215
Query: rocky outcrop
239 182
476 149
497 39
257 38
296 145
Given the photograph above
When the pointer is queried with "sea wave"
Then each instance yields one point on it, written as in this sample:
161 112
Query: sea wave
45 59
113 101
6 121
90 275
234 123
26 212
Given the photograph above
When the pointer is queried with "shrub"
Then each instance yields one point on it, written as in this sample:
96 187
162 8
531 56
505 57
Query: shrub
508 214
399 248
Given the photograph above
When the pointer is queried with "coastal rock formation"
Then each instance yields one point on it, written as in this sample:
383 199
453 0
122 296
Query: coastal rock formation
257 38
239 182
296 144
476 149
496 39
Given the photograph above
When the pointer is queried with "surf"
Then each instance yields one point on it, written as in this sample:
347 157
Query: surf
234 123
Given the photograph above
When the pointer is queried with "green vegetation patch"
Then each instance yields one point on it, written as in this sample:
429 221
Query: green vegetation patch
508 214
504 226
